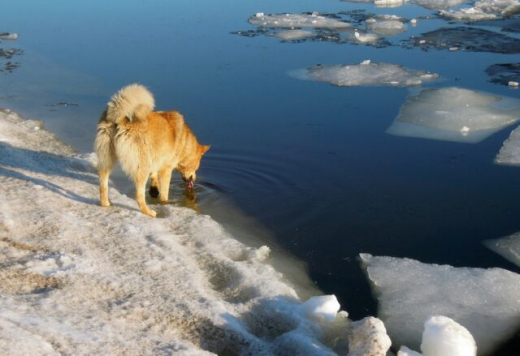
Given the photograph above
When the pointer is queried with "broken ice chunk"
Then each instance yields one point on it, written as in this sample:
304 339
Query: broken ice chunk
297 21
368 337
405 351
485 301
322 307
366 37
507 247
454 114
369 73
443 336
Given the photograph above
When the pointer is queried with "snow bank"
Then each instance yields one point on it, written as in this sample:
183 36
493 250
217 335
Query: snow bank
455 114
369 73
313 20
507 247
484 301
79 279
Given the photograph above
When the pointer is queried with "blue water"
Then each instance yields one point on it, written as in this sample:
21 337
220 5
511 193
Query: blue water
308 161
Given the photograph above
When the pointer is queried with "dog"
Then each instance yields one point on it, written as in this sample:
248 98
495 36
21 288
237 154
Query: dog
147 144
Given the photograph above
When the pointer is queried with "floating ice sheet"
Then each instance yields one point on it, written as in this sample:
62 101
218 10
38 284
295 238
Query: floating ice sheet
507 247
503 73
467 14
468 39
438 4
510 152
387 25
380 3
292 35
504 7
454 114
484 301
313 20
369 73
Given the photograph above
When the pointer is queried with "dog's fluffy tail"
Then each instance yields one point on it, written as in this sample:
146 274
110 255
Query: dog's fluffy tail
133 102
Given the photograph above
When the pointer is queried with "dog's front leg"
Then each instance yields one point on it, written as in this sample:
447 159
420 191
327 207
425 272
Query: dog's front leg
140 188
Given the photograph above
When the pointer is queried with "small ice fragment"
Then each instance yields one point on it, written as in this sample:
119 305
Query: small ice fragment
513 84
464 130
422 41
322 307
259 14
9 36
413 21
405 351
366 61
36 128
368 337
453 49
443 336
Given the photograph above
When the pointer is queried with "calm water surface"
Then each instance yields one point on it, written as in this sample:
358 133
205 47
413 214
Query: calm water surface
308 162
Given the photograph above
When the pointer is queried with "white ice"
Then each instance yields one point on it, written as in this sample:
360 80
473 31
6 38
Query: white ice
443 336
369 73
79 279
509 154
484 301
292 21
503 7
438 4
405 351
387 25
365 37
291 35
467 14
368 337
507 247
381 3
454 114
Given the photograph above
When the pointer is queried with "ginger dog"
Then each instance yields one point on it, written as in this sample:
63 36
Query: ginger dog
147 144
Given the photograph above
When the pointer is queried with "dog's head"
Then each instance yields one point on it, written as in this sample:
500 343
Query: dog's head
189 166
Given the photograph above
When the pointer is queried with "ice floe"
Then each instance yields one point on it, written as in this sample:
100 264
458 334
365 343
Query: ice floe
509 154
79 279
484 301
507 247
387 25
504 73
292 35
503 7
369 73
467 14
454 114
438 4
381 3
468 39
368 337
291 21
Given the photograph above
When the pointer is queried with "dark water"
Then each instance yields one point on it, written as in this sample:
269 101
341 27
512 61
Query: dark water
309 162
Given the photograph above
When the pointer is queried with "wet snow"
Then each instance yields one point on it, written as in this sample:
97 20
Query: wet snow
369 73
454 114
484 301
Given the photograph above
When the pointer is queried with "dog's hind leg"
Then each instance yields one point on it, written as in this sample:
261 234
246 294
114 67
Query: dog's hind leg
154 186
103 186
140 188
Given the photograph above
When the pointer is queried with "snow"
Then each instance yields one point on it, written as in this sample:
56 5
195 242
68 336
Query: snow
455 114
509 154
484 301
368 337
371 73
504 7
507 247
79 279
292 21
442 336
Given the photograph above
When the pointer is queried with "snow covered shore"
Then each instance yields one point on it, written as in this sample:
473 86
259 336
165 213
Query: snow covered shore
79 279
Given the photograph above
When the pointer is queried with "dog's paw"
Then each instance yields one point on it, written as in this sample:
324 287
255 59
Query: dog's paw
105 204
150 213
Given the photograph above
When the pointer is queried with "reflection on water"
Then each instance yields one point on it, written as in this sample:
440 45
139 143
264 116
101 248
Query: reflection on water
306 165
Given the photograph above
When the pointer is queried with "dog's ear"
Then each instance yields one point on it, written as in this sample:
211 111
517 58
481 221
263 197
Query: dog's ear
204 148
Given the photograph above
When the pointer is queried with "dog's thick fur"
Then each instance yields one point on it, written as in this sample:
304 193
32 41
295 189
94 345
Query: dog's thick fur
147 144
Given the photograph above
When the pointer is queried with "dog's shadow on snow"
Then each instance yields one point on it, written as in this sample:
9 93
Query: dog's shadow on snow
14 159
